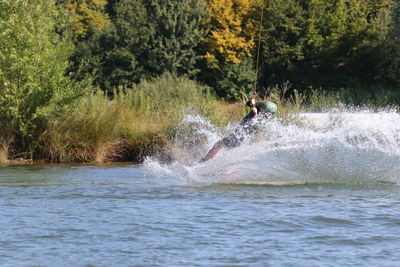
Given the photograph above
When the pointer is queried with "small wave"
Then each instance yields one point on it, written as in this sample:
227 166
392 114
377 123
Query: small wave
339 147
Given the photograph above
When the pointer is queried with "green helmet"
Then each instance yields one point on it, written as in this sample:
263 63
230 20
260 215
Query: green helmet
270 107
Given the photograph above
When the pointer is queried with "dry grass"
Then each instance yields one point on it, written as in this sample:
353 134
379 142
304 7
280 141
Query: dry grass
3 153
131 126
100 130
4 149
114 150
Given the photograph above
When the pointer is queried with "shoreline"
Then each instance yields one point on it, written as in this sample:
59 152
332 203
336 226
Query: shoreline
29 162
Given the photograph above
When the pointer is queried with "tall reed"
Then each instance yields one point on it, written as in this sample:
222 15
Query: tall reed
5 141
3 151
373 97
133 125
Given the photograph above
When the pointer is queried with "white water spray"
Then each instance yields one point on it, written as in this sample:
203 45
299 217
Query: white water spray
357 147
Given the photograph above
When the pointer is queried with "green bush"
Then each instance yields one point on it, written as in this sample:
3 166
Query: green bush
372 97
237 80
169 93
33 61
146 38
132 125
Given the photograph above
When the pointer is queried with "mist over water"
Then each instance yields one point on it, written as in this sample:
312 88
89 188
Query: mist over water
335 147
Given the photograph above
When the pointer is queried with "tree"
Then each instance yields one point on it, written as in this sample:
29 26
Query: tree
147 38
282 40
176 29
232 31
88 16
236 80
33 62
332 43
87 19
229 47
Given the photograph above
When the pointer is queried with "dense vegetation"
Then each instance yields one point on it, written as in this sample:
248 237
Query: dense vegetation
85 80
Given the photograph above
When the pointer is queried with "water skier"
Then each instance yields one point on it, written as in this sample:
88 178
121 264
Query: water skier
246 127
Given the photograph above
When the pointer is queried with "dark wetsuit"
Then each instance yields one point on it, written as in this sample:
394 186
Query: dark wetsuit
246 128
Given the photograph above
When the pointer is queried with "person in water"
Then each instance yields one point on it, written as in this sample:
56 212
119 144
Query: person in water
247 127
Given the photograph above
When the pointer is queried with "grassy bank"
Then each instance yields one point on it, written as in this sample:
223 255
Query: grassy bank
132 125
143 120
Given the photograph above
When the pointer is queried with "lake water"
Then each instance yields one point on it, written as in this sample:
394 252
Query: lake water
314 196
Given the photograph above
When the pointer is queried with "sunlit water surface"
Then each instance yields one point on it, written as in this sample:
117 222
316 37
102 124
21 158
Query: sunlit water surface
324 194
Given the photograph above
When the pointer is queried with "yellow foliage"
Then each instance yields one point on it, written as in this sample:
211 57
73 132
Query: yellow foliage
88 16
232 30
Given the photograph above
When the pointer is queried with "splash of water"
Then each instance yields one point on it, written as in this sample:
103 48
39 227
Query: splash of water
357 147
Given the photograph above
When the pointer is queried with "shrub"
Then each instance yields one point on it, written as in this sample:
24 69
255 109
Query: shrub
132 125
33 61
237 80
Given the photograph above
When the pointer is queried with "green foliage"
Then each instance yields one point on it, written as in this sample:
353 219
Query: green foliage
105 60
146 39
171 94
282 31
33 60
319 100
372 97
176 28
130 126
88 16
237 81
144 56
332 43
82 134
